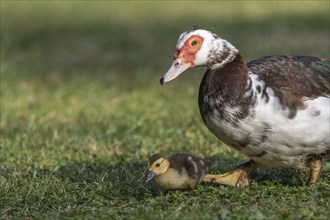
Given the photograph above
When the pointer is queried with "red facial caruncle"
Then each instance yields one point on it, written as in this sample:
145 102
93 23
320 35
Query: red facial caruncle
184 58
188 51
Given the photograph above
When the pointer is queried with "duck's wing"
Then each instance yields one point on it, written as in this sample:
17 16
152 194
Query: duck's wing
292 78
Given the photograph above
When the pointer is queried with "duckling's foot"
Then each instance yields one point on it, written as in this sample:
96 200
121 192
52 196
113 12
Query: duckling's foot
316 169
237 177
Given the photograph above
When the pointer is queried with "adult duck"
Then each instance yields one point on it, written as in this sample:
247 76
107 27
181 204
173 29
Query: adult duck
275 110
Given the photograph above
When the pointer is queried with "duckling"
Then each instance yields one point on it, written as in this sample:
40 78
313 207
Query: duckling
179 171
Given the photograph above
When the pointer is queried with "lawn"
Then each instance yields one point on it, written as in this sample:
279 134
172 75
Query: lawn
82 109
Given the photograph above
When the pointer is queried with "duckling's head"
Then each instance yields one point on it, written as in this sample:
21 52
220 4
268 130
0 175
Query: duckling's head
157 165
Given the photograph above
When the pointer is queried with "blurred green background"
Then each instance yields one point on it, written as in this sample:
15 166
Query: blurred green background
82 108
128 37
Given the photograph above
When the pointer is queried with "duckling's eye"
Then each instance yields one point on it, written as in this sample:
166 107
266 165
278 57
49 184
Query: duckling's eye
157 164
194 43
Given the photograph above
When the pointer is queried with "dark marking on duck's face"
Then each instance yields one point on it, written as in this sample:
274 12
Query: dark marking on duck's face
155 157
159 166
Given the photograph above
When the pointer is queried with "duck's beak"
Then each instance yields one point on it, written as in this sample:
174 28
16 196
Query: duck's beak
150 175
177 67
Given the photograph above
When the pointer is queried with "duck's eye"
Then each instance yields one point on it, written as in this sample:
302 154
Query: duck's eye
194 43
157 164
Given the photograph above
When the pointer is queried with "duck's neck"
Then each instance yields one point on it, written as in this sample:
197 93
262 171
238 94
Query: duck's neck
231 80
227 89
222 53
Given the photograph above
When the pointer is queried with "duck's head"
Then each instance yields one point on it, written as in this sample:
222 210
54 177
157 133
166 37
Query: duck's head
198 47
157 165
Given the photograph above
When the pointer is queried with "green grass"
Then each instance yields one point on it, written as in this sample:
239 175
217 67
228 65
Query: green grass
82 109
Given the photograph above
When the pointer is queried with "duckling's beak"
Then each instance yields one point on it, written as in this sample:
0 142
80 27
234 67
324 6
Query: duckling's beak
150 176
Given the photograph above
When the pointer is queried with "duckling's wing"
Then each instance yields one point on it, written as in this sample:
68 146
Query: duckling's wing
181 162
193 166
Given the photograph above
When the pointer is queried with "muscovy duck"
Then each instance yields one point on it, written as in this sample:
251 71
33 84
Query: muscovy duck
179 171
275 110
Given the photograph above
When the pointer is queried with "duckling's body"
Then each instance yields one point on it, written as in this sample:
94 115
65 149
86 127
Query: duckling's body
179 171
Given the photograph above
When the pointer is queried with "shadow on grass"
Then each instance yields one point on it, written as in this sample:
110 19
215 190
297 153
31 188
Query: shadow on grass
125 179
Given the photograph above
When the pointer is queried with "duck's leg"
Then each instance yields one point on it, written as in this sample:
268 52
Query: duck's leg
238 177
316 169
